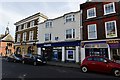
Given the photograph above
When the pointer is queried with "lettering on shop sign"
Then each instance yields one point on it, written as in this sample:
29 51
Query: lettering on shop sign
112 41
47 44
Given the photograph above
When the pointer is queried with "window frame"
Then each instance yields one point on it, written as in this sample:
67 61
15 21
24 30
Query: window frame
67 55
105 13
32 23
48 24
114 26
88 26
18 37
48 35
94 8
69 18
31 35
73 33
24 36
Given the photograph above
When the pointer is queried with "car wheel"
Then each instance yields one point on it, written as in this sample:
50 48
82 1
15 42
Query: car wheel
34 63
116 72
23 62
84 69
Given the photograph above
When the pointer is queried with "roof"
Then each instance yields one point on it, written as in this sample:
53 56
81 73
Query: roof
35 15
7 37
60 16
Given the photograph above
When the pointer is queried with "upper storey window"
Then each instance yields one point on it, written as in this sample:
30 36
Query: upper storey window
19 27
109 8
69 18
91 13
111 29
32 23
48 24
25 25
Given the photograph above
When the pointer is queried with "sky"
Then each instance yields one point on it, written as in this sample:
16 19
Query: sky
12 11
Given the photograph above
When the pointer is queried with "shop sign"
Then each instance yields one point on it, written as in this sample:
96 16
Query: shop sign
113 42
47 45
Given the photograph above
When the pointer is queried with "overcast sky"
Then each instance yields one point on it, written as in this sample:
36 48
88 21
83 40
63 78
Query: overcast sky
14 11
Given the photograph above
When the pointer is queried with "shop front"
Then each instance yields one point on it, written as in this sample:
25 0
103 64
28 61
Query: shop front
107 49
114 49
61 51
98 48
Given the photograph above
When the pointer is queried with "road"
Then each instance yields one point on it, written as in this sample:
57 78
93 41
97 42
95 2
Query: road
19 70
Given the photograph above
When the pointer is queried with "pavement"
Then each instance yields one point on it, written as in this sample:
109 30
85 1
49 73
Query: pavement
64 64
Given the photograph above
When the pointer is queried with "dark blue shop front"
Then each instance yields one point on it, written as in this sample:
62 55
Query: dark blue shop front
54 50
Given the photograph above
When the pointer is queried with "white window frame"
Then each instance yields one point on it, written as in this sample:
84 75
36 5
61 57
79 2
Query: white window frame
115 29
48 24
73 55
31 35
89 31
88 12
107 5
71 16
49 36
24 36
73 35
25 26
19 27
18 37
32 23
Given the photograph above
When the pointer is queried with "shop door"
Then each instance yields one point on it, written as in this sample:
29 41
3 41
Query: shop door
60 55
55 55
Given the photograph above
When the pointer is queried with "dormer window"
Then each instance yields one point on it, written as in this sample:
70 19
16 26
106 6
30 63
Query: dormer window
109 8
69 18
91 13
48 24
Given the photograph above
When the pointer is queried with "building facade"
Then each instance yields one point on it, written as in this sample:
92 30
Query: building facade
59 38
26 34
101 29
6 44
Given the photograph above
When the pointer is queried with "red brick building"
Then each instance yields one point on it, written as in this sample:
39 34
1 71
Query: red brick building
6 44
101 29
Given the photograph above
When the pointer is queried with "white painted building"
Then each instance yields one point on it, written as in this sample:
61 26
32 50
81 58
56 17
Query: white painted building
59 38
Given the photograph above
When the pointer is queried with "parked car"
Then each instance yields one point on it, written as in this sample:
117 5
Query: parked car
100 64
34 59
14 58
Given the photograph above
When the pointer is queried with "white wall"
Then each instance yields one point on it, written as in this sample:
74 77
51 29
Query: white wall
59 27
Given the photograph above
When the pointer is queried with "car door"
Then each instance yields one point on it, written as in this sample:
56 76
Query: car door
100 65
90 63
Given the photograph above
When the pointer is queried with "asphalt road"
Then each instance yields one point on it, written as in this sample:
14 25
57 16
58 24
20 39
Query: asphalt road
19 70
